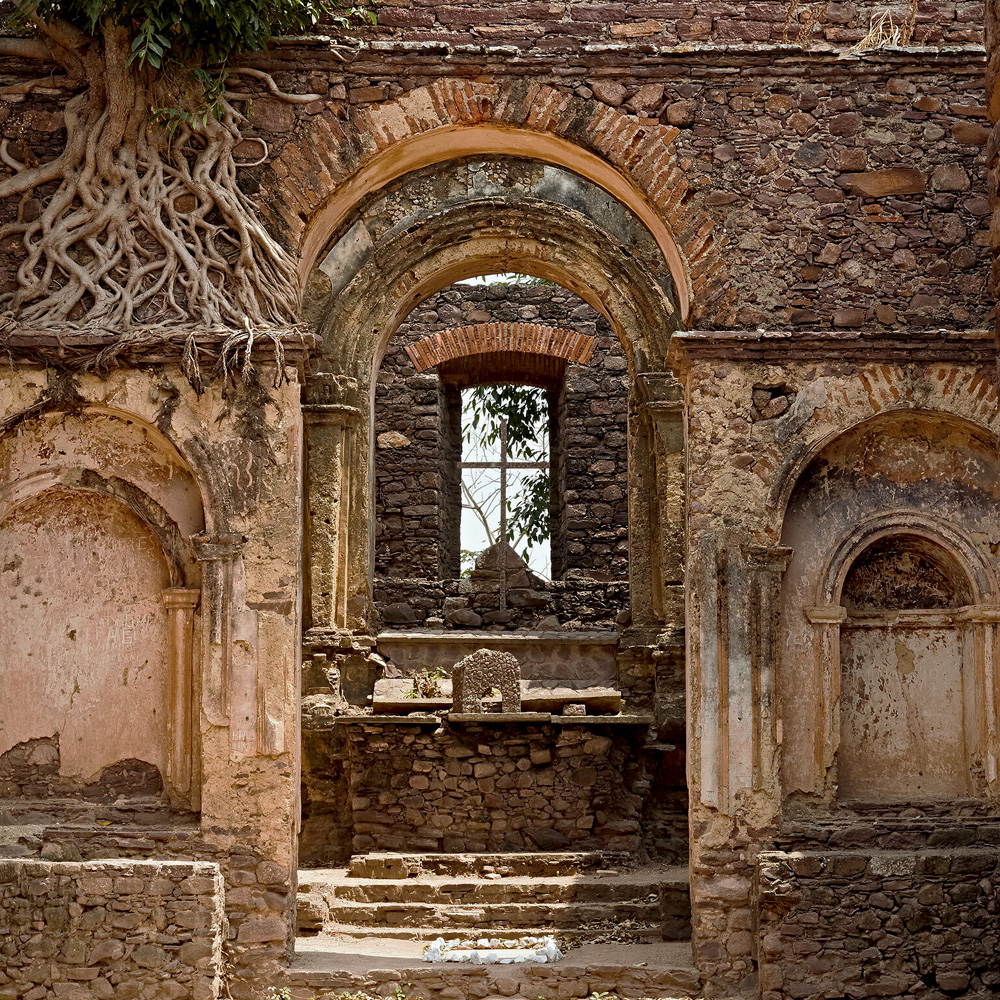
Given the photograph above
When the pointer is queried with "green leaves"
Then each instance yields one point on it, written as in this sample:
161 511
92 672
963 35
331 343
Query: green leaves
528 518
527 414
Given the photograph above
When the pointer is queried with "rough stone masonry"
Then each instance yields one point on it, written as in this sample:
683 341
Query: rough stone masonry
778 523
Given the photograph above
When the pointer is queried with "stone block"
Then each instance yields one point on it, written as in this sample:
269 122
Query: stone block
890 182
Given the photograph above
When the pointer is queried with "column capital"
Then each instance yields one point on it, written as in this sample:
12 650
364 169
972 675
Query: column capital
826 614
774 558
180 598
988 614
328 396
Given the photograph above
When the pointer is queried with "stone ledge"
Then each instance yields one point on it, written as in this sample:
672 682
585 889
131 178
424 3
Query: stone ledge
499 717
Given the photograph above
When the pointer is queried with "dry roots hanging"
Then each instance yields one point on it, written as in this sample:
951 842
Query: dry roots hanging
141 230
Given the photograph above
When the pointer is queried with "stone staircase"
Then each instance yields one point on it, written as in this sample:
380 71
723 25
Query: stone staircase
577 895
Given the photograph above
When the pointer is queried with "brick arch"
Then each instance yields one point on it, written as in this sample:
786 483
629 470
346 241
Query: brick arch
500 338
311 188
963 395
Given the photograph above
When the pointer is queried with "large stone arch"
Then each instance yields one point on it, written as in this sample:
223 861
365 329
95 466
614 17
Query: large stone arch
383 263
316 182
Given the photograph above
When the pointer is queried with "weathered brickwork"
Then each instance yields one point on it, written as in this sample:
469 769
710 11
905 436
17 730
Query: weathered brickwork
500 338
110 928
787 142
417 446
579 22
464 789
889 923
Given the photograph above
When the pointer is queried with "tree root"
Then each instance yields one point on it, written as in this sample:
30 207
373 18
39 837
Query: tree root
146 230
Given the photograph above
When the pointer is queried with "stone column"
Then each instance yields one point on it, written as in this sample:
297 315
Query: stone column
733 643
218 555
180 604
983 650
338 537
767 565
656 502
826 620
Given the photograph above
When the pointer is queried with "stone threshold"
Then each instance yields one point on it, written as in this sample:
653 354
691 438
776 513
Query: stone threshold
325 966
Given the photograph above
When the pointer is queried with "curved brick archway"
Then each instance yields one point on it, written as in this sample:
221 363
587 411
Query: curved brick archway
316 182
486 353
500 338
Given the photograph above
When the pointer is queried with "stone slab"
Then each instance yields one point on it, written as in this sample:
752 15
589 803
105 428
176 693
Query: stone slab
499 717
536 696
417 719
545 656
602 720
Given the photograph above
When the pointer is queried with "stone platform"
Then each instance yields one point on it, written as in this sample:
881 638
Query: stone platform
326 966
545 656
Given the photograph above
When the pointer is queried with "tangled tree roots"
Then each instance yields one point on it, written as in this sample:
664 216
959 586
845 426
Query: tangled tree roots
139 229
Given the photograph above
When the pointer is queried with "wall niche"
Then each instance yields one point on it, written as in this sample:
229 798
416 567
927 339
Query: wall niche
86 650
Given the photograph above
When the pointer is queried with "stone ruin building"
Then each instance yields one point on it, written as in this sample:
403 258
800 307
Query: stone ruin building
760 701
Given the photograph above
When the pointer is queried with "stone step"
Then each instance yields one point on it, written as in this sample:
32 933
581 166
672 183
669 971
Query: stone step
652 899
362 938
486 915
515 863
325 968
337 885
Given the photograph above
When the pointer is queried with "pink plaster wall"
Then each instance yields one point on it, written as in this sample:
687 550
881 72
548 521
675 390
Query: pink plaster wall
84 652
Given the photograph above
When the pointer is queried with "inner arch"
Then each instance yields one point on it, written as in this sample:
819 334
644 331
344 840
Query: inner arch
457 141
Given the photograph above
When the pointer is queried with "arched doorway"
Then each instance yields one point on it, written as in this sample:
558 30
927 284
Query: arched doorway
503 215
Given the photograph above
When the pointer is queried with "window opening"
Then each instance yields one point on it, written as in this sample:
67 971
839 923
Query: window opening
506 486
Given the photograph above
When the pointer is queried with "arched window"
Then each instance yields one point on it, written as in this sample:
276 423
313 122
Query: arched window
534 355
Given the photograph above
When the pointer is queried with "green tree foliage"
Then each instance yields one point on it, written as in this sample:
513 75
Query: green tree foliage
528 518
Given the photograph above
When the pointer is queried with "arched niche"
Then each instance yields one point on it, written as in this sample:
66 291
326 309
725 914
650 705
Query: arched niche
907 690
100 587
421 234
889 612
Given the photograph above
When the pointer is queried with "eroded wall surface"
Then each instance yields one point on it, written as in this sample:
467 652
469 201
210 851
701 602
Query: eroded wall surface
151 549
781 508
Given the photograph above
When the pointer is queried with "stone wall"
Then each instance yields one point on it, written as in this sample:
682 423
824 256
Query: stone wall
418 442
769 152
111 928
477 787
572 604
890 923
993 148
578 22
259 893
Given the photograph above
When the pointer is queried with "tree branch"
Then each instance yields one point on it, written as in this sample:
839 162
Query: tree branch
25 48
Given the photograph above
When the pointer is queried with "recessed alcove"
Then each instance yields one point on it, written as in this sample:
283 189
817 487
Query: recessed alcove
902 686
